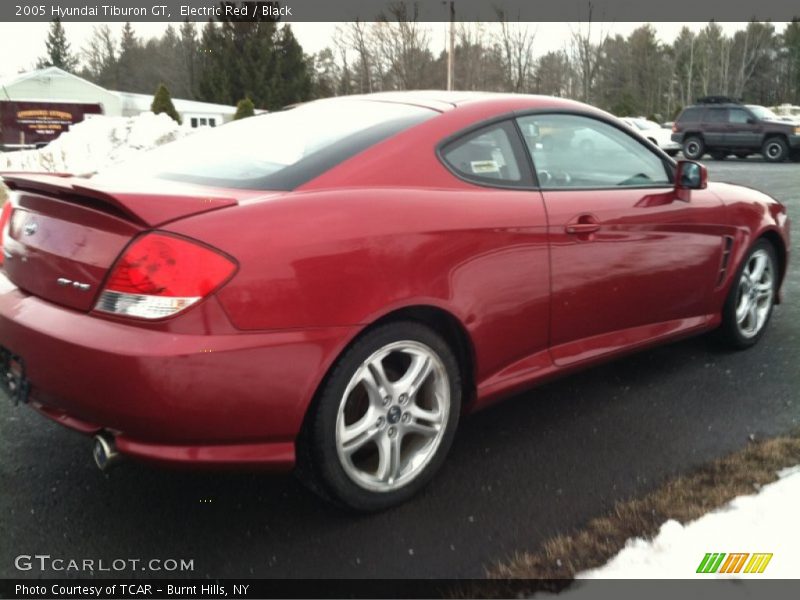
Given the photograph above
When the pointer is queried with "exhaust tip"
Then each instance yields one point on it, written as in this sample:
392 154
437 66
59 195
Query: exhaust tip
104 451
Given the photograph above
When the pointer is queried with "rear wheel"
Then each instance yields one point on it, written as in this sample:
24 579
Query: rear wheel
693 147
775 149
385 418
748 307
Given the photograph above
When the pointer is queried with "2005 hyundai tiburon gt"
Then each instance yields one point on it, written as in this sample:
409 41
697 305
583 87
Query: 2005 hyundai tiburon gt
332 286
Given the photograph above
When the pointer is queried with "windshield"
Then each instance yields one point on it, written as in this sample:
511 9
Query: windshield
279 150
761 112
645 124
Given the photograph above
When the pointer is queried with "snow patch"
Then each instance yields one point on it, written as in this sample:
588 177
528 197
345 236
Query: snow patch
95 143
763 522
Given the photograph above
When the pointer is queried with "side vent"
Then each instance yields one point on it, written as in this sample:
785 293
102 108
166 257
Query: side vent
727 246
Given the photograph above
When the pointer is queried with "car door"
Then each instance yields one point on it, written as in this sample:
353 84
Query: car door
715 126
744 130
628 258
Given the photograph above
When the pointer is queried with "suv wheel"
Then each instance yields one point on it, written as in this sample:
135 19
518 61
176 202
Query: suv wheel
775 149
693 147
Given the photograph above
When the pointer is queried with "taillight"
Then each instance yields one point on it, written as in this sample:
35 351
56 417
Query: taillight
5 216
160 275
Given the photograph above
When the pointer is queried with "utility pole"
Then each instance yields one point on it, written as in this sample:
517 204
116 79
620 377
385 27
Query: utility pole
451 48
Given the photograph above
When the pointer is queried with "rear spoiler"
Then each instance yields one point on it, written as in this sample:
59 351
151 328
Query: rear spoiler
145 208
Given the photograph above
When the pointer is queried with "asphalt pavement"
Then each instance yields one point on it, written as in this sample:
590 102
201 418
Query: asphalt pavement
537 465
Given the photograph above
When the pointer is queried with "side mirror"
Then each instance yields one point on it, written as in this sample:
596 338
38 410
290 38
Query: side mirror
691 176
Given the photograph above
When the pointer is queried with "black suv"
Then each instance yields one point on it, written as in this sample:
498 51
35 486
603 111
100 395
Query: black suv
720 126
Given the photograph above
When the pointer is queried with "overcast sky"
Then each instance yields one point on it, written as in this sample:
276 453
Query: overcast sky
21 44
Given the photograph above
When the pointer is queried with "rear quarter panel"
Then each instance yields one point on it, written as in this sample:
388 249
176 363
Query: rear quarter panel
351 256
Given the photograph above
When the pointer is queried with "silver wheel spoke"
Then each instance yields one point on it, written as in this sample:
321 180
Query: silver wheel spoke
356 435
418 371
763 290
388 458
373 388
422 429
742 310
379 376
752 317
420 414
757 272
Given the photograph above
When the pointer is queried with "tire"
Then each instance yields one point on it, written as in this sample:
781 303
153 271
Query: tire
775 149
749 304
719 155
372 406
693 147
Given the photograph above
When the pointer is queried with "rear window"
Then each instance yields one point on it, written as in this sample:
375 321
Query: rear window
276 151
691 115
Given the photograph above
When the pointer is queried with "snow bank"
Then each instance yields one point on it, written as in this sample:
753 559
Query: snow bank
761 523
95 143
764 522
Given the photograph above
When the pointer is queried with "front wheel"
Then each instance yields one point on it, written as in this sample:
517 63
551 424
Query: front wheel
385 418
775 150
751 298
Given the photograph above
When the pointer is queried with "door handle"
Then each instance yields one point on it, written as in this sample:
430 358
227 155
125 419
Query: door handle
583 224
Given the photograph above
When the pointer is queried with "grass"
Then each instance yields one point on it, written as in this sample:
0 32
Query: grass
683 499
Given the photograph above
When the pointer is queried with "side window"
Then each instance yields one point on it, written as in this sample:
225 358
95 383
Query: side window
573 151
486 156
717 115
738 116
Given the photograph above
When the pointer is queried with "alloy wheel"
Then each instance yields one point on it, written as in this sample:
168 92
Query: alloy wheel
755 294
392 416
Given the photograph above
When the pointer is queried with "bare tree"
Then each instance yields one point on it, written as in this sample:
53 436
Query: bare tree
588 53
753 46
355 36
403 47
100 57
517 43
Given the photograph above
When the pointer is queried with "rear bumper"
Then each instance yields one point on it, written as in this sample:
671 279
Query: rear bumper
234 399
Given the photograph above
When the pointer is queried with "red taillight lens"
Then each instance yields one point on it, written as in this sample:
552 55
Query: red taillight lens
5 216
159 275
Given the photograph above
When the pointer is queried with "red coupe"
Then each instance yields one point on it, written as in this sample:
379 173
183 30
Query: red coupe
332 286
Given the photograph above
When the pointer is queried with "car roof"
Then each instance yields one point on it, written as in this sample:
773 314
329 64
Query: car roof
443 101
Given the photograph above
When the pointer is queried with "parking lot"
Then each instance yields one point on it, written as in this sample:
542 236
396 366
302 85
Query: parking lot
537 465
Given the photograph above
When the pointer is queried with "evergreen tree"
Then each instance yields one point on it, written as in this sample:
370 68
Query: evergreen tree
253 59
162 103
58 49
245 108
129 63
